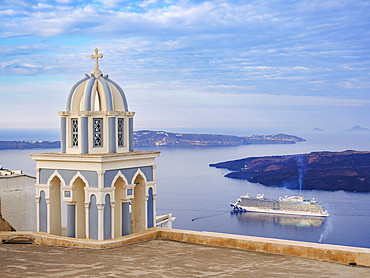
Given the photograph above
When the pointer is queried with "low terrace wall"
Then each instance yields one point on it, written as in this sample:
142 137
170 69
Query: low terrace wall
316 251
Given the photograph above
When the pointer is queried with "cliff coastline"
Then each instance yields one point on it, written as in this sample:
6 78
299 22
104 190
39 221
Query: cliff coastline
146 138
348 170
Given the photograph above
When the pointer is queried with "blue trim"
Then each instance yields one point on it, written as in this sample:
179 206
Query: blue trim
43 213
150 208
128 173
63 134
84 143
107 218
92 176
67 175
108 94
88 93
93 218
71 220
126 219
120 91
112 134
131 134
71 92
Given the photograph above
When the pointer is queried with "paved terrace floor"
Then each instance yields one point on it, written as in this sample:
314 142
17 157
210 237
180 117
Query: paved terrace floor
161 258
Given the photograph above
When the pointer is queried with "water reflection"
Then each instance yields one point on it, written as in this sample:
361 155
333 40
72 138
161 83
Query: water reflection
291 220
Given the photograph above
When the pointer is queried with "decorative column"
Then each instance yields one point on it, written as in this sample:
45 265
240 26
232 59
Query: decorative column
100 221
131 134
37 198
84 140
48 216
63 134
87 204
112 219
112 134
153 169
101 178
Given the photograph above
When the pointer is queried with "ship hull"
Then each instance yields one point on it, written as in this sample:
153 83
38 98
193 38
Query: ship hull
274 211
294 205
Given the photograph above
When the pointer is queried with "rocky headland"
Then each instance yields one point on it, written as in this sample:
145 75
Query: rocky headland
347 170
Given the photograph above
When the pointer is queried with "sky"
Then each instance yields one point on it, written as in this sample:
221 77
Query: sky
227 67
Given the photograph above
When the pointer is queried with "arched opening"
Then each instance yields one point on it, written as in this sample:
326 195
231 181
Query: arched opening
107 218
79 198
55 217
93 218
97 101
43 213
122 217
138 219
150 209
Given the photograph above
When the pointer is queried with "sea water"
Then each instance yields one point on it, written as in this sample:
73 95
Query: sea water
199 195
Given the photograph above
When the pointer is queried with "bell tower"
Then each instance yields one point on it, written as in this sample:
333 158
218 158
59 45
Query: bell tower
108 189
96 119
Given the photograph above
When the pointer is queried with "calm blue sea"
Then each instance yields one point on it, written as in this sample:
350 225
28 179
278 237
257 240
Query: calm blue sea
192 190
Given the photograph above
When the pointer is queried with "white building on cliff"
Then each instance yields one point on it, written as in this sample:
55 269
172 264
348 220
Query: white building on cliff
17 193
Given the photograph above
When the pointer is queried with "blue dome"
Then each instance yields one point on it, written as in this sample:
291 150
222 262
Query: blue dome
96 87
96 119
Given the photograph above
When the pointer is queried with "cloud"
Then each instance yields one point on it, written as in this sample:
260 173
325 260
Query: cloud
212 54
147 3
182 17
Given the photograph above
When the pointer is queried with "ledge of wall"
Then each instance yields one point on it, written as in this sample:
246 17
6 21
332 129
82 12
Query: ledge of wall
324 252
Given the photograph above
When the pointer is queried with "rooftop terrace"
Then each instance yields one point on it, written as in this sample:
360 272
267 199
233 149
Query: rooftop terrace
161 258
161 252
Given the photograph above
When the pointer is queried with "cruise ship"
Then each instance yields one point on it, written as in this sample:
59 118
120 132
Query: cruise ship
294 205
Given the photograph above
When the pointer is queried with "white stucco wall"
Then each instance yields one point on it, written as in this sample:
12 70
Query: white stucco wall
18 205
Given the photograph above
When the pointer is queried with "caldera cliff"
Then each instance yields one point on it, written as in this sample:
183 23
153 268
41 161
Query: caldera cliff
347 170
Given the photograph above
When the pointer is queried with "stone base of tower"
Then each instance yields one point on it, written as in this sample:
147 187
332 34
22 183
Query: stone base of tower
103 195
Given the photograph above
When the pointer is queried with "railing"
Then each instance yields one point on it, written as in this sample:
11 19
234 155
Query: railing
165 221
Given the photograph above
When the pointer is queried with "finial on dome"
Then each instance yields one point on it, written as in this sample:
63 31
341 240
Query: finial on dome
96 72
96 56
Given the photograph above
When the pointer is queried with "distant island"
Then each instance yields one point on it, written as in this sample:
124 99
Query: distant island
29 144
358 128
318 129
147 138
348 170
